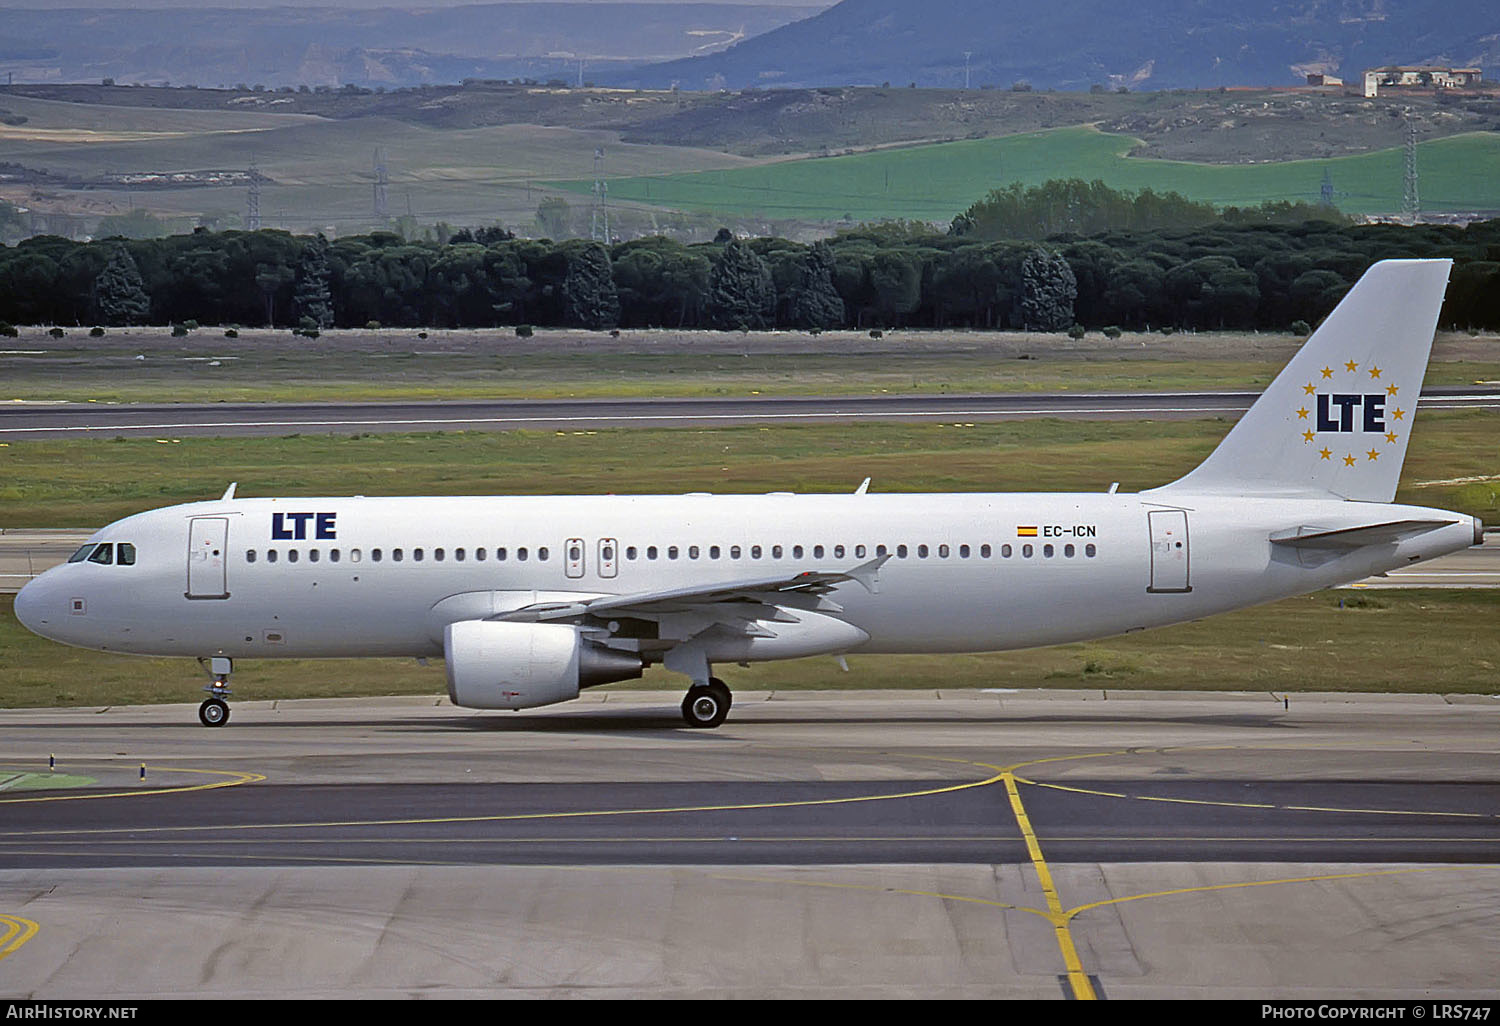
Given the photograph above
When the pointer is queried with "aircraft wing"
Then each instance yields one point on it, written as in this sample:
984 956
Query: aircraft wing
700 598
1306 537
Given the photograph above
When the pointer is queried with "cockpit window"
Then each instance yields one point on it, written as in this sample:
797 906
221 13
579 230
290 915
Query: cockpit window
81 554
104 554
126 554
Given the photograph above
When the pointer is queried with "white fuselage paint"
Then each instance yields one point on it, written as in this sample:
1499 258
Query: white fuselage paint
931 603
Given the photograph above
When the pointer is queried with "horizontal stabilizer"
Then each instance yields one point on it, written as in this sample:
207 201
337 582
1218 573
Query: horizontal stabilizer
1356 537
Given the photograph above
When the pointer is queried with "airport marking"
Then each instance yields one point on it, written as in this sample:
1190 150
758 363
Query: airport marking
235 780
14 932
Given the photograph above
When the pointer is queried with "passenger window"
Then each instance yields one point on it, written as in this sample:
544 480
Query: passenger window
775 551
333 555
479 554
291 555
1047 550
630 552
375 555
900 551
671 551
713 552
575 553
817 552
396 555
692 552
963 552
1068 550
1005 551
437 555
104 555
126 554
755 552
500 554
270 555
921 551
312 555
859 552
650 551
458 554
81 554
880 550
984 550
734 552
521 555
796 551
542 553
838 552
249 555
1026 551
1089 550
416 555
354 555
943 551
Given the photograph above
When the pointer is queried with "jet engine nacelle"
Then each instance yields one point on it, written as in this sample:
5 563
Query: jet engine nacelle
498 665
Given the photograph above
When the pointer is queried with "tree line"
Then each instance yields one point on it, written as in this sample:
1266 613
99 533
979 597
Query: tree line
1224 275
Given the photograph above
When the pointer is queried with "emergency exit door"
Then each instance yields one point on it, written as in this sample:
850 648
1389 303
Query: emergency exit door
1169 550
208 544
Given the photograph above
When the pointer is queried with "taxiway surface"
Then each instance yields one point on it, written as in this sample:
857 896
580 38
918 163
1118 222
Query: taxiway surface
925 843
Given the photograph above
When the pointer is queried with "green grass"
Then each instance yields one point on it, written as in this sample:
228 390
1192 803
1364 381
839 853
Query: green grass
91 482
1419 642
936 181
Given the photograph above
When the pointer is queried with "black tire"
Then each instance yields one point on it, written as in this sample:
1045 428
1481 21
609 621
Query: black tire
214 712
715 682
705 706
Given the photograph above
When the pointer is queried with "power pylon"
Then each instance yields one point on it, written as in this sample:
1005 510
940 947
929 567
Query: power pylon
599 207
382 183
252 200
1411 201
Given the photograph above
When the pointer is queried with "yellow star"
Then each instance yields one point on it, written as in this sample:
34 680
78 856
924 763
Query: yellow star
1325 453
1398 413
1302 413
1349 460
1308 388
1351 366
1391 389
1307 436
1373 454
1374 372
1328 372
1390 436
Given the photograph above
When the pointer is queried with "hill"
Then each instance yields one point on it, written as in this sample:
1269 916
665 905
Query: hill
1073 44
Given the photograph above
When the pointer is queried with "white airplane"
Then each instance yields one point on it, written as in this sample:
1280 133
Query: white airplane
530 599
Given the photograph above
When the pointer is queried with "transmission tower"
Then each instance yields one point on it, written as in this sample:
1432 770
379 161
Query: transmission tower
382 182
252 200
967 55
1328 189
1411 202
599 207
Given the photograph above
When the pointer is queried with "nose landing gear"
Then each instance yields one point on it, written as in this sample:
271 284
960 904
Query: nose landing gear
214 712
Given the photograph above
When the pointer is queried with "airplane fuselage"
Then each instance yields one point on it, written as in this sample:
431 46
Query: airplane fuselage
329 577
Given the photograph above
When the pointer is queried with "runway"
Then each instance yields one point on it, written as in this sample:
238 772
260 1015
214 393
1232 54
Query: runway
937 843
44 421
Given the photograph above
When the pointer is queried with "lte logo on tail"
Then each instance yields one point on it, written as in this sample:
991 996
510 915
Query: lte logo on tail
293 526
1336 412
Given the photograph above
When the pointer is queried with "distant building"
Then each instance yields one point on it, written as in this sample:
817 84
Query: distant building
1420 77
1318 78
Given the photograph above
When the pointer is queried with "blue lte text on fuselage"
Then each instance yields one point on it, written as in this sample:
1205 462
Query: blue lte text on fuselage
293 526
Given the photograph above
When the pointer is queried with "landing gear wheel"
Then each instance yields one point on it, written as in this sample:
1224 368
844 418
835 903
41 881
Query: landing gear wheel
715 682
214 712
706 705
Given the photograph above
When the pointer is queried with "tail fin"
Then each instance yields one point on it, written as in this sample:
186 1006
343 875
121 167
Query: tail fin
1336 420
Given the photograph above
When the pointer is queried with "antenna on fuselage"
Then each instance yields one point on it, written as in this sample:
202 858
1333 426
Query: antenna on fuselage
864 486
229 492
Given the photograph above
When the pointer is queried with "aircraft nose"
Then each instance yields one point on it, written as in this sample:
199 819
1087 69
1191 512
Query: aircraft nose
31 605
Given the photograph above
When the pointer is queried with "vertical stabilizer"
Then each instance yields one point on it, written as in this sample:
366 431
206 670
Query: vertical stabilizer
1336 420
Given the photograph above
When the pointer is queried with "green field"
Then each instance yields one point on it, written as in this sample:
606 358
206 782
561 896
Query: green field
937 181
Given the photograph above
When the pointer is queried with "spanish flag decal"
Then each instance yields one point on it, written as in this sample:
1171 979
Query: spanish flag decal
1025 532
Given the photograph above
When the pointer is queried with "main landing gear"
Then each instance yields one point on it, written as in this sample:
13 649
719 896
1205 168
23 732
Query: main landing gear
214 712
706 705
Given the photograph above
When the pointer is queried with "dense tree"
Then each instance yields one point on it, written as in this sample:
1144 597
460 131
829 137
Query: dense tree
311 297
1048 289
589 296
740 291
119 293
812 301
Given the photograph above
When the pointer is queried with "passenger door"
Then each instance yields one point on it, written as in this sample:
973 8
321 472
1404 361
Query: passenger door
1169 550
208 544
